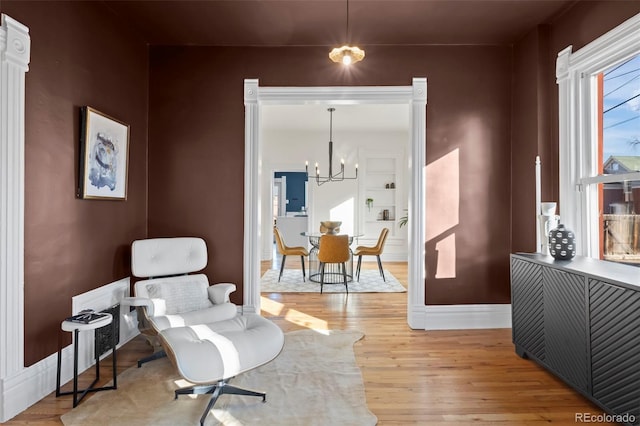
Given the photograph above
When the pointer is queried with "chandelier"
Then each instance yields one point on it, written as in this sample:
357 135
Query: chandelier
338 177
347 54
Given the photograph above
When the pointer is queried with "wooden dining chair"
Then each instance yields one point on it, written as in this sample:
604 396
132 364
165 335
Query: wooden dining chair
285 250
372 251
334 249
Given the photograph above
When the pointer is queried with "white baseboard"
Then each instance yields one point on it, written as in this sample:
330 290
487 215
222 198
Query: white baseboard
18 392
456 317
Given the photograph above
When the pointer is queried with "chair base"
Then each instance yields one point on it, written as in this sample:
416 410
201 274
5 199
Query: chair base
284 257
221 388
343 268
156 355
380 269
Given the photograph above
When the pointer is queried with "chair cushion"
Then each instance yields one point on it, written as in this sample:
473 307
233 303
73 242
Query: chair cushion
186 296
158 257
293 251
206 353
218 312
364 250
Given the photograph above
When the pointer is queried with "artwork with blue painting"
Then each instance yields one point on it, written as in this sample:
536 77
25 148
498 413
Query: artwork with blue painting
104 156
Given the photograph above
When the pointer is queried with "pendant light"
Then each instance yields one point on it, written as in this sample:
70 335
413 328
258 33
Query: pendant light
338 177
346 54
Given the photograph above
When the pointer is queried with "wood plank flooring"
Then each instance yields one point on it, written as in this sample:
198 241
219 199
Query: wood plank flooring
411 377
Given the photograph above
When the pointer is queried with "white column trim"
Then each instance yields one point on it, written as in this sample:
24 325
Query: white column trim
417 206
252 179
15 45
414 96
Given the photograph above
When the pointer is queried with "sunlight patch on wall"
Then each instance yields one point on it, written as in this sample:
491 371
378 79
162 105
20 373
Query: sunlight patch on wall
446 249
442 209
344 212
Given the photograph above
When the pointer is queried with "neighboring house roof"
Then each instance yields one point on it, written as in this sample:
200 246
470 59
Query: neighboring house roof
626 163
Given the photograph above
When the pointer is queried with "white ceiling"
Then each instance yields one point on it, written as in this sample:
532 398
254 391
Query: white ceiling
315 117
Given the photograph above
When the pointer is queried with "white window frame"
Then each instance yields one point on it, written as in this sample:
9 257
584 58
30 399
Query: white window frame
578 132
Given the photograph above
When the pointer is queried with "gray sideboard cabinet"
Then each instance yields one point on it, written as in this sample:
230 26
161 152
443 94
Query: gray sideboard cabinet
580 319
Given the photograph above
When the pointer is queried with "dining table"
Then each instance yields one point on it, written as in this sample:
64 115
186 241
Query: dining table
332 274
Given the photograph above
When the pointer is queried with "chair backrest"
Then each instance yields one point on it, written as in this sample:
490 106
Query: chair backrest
333 249
382 239
279 240
160 257
166 263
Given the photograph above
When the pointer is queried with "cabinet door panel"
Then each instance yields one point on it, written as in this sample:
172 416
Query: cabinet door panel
565 326
527 307
615 347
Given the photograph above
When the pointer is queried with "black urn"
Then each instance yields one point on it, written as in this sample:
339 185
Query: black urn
562 243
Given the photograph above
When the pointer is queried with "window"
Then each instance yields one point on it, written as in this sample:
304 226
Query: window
599 94
619 143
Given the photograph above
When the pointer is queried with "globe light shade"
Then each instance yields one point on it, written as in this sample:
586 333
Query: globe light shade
346 54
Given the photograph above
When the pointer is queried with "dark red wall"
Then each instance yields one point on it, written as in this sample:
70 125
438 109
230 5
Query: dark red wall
80 56
196 156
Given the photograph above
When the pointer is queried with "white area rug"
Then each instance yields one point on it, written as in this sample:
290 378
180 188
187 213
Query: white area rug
291 282
315 381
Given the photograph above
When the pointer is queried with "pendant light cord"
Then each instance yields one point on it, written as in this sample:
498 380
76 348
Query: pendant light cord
347 40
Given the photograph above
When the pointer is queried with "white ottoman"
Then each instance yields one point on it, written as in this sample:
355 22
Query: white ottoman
211 354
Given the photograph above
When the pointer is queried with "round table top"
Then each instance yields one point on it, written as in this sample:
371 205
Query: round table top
320 234
72 326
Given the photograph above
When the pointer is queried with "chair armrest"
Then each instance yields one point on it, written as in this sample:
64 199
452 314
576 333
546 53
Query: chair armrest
142 302
219 293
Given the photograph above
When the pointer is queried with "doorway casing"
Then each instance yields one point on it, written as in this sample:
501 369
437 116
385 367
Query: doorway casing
415 96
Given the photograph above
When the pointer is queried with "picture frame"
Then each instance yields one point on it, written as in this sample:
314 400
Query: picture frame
104 156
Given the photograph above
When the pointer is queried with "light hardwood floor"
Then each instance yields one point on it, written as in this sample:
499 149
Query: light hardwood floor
411 377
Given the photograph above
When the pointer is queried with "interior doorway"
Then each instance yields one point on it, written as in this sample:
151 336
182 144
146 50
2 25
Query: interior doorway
414 96
279 197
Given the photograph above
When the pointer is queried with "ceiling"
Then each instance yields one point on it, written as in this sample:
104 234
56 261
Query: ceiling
324 22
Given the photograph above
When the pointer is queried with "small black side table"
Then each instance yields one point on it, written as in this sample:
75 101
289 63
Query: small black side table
76 328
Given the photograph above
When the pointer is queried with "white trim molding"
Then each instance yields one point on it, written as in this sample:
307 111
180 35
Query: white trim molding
464 317
415 96
577 94
15 45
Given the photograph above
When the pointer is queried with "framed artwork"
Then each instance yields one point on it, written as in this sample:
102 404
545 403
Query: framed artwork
104 156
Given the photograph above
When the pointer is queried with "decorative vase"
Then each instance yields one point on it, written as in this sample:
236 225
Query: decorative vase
562 243
331 226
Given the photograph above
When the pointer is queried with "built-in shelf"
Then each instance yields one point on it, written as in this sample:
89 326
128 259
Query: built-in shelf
380 170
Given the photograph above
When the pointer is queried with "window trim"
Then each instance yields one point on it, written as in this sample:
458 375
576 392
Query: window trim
577 94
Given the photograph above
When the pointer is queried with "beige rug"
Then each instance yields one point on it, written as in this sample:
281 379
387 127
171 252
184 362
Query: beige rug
291 282
314 381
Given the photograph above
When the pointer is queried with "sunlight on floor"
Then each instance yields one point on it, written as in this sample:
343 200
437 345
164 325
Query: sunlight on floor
300 318
292 315
271 306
